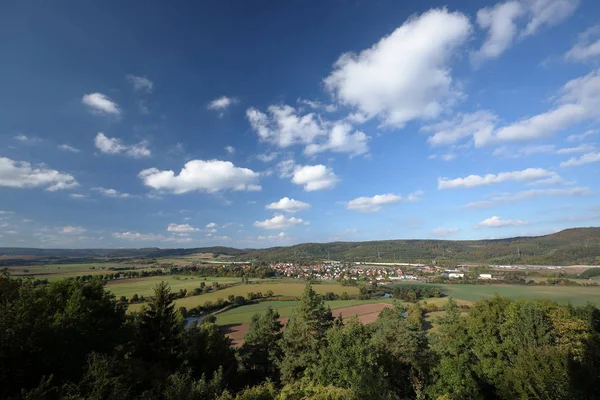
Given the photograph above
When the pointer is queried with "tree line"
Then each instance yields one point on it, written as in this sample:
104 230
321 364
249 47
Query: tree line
73 340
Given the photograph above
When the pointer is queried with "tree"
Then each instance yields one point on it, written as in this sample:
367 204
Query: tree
261 351
158 341
304 335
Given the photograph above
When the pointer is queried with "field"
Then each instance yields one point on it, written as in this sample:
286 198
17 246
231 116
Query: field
54 272
279 288
145 286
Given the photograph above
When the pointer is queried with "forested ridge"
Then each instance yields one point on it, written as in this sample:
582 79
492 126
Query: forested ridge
74 340
570 246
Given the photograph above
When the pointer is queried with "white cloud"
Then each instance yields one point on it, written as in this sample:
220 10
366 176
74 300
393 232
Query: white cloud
341 140
20 174
4 212
479 123
584 159
77 196
285 127
101 104
26 139
547 12
141 83
526 175
520 152
579 101
582 136
587 47
497 222
288 205
406 75
267 157
115 146
181 228
279 236
202 175
314 177
501 23
112 193
72 230
66 147
373 204
285 168
230 149
279 221
504 198
317 105
136 236
582 148
211 225
443 232
222 103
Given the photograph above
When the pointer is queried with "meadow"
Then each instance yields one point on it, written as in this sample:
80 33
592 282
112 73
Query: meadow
279 288
145 286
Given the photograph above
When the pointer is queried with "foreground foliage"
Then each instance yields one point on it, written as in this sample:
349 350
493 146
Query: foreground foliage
73 340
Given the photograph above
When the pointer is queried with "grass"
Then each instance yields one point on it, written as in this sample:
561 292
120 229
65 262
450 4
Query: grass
577 295
243 314
279 288
145 286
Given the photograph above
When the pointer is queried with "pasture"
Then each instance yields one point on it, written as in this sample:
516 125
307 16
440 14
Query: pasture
279 288
145 286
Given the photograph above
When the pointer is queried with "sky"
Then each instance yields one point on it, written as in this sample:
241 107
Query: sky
263 123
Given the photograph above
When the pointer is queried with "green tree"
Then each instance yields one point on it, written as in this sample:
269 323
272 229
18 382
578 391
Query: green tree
261 351
304 335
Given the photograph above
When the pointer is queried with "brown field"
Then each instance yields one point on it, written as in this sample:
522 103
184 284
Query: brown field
366 313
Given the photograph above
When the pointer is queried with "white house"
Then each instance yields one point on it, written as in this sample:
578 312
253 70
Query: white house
485 276
455 275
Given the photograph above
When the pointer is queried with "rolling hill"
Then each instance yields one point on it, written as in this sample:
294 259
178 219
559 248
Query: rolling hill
570 246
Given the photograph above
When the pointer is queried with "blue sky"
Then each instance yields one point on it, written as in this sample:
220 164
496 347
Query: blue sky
257 123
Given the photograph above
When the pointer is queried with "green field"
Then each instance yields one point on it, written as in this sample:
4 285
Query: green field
145 286
576 295
279 288
243 314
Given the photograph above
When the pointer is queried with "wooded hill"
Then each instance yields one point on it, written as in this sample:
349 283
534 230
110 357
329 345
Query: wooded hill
570 246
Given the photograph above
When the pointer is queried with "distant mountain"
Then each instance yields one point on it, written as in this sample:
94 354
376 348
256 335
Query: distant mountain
570 246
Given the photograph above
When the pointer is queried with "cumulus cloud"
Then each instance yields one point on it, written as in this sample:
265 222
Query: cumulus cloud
66 147
284 126
202 175
582 136
181 228
288 205
77 196
136 236
279 236
443 232
579 101
101 104
314 177
526 175
280 221
115 146
341 140
501 23
520 152
141 83
72 230
547 12
504 198
477 124
230 149
222 103
373 204
497 222
26 139
112 193
267 157
317 105
406 75
584 159
21 174
587 47
211 225
582 148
